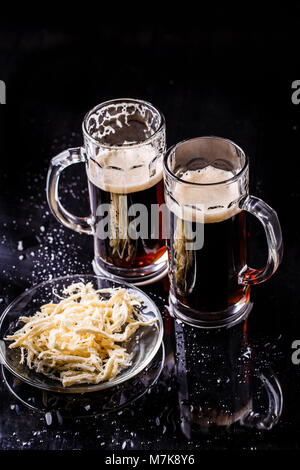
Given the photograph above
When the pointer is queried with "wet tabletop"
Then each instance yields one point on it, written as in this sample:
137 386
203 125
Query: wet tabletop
206 377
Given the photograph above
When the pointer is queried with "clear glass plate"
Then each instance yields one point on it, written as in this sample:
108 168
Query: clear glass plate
143 344
85 405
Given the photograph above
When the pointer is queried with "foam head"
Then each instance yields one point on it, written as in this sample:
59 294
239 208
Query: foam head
126 170
206 204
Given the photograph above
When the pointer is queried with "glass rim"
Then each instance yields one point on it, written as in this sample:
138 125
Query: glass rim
229 180
122 146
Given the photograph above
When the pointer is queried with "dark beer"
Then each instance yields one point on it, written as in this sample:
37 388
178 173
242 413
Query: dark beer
205 276
123 185
126 252
208 280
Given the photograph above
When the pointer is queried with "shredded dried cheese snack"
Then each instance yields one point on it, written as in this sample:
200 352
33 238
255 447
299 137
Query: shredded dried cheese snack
76 340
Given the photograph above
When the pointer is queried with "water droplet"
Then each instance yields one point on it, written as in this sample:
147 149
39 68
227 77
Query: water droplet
48 418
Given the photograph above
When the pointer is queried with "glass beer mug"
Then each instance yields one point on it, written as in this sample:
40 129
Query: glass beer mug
124 144
206 192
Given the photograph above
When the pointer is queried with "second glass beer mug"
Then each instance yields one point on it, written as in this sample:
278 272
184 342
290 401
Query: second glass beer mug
206 192
124 144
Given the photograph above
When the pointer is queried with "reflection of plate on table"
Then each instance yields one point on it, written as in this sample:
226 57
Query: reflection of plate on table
143 345
86 405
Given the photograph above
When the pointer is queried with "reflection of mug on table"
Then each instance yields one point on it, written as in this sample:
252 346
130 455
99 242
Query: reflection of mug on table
206 191
219 384
124 146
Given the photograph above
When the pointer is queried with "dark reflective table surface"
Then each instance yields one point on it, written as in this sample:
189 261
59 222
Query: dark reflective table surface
223 389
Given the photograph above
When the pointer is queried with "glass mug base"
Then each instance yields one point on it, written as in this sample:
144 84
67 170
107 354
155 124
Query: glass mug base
226 318
137 276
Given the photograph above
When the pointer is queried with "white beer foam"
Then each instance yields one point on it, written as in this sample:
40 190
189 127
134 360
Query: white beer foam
134 169
205 204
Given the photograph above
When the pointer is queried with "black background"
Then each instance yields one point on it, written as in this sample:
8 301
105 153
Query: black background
213 74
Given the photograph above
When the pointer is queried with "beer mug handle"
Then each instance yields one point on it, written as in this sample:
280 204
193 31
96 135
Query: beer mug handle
258 420
57 165
268 217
